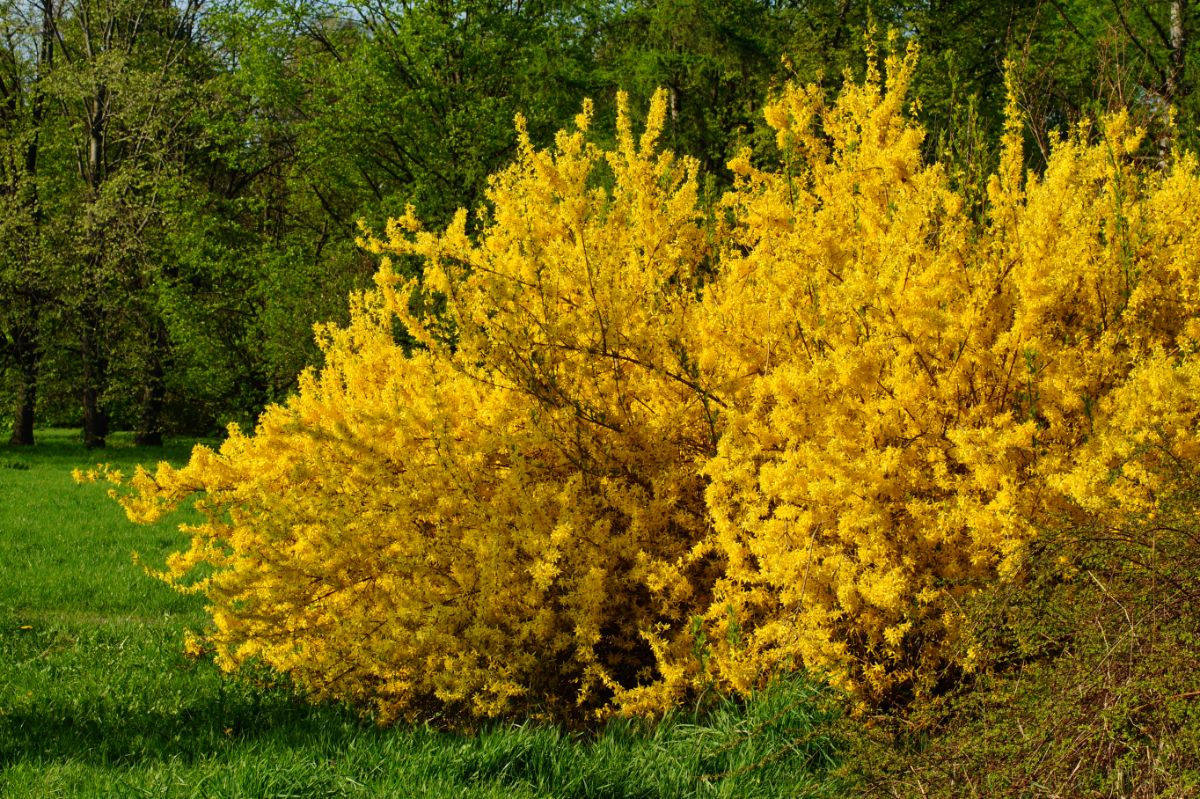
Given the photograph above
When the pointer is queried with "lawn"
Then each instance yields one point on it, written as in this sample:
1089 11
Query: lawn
98 699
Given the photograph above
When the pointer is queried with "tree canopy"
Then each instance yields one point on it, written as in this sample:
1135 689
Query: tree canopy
182 185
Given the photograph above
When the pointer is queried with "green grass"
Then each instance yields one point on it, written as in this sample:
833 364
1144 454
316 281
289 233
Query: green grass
97 699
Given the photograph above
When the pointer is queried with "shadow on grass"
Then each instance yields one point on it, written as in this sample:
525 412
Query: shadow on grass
99 731
765 743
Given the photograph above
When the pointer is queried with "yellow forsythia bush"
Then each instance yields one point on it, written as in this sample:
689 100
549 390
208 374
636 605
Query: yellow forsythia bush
639 450
484 525
912 393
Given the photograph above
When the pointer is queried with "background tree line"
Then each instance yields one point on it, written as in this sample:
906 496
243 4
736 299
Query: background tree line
181 181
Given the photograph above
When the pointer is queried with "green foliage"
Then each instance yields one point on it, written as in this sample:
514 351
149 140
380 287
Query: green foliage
176 271
715 60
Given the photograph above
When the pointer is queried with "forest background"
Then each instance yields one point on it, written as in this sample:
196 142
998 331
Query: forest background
182 183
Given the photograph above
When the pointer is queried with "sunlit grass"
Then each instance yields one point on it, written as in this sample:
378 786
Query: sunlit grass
66 550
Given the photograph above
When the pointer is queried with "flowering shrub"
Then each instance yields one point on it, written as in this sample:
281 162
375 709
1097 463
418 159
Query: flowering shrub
635 452
912 392
478 526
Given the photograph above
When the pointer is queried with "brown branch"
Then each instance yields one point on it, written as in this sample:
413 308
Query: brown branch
1133 37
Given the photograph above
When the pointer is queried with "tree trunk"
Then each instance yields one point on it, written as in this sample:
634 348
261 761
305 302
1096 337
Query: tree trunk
95 358
1175 88
95 379
95 419
22 431
26 356
150 433
25 332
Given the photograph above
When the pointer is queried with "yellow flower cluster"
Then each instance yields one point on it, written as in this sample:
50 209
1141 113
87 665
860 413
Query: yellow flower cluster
913 392
472 528
637 450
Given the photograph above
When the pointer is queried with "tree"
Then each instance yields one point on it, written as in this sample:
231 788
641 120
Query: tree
23 284
123 86
715 59
320 118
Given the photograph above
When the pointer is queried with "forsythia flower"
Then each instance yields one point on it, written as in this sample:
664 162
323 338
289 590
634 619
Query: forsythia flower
633 453
474 525
912 393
